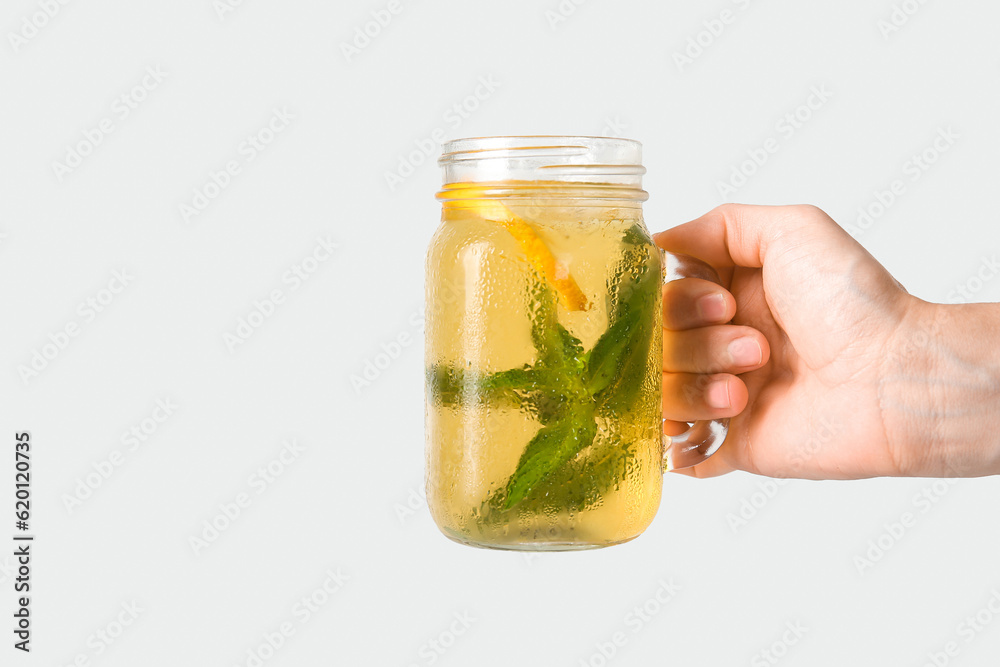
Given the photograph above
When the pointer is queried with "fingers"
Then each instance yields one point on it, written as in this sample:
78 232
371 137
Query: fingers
699 354
742 235
692 302
688 396
715 349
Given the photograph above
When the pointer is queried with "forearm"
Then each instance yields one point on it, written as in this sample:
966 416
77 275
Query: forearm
940 391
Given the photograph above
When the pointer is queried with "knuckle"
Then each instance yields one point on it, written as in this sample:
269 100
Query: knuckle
690 394
809 212
728 210
694 390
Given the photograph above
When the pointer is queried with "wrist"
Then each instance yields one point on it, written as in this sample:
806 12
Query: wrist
939 390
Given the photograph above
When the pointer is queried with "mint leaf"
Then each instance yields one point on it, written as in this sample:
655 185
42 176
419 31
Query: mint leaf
636 305
534 388
447 385
583 481
605 359
637 236
557 347
551 447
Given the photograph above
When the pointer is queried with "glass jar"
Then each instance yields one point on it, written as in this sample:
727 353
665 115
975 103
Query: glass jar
544 348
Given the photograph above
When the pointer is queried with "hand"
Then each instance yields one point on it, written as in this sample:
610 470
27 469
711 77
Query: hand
818 334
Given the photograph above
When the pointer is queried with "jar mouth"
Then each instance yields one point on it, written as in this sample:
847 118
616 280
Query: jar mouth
611 164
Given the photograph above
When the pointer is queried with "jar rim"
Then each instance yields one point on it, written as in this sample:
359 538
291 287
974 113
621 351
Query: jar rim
608 161
557 144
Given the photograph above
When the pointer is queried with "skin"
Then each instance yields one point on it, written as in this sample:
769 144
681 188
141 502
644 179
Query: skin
828 368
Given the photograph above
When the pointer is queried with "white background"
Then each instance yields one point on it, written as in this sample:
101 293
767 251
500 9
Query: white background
343 502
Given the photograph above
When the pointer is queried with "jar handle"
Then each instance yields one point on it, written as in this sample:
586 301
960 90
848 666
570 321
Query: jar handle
702 438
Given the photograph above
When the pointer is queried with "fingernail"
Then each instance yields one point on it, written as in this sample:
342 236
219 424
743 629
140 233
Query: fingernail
745 352
711 307
717 395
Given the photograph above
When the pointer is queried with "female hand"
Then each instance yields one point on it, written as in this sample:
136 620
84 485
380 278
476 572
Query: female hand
842 374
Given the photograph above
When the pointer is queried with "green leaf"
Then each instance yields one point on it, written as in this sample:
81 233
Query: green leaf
637 236
542 391
551 447
618 361
448 385
521 379
583 481
605 359
557 347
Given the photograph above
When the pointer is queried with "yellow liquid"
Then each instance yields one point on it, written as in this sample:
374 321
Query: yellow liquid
484 299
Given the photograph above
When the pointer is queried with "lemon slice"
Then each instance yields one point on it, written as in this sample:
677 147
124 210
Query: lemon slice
554 272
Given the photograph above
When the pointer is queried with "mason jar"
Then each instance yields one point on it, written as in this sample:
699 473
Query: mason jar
544 347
